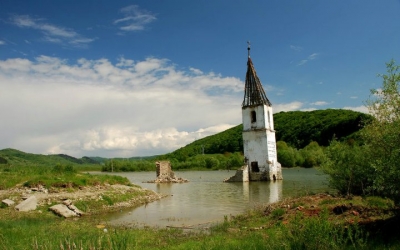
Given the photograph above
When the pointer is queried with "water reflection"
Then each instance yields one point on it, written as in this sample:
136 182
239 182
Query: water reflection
205 198
275 190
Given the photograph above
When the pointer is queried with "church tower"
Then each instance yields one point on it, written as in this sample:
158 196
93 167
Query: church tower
259 142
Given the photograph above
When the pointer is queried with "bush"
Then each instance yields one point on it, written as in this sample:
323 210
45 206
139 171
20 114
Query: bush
63 169
313 155
382 134
348 168
287 158
3 160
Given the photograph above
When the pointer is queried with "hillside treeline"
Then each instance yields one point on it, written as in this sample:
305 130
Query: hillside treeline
296 128
196 162
15 157
301 138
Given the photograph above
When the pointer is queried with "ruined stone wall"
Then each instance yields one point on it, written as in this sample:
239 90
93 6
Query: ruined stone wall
165 174
163 169
241 175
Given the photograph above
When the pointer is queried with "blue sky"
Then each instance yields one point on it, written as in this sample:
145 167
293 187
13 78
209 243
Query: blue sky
134 78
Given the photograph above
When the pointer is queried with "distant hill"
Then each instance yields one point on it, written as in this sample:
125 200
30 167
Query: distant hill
296 128
299 128
16 157
99 159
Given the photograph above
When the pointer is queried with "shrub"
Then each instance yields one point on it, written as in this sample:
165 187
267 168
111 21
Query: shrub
348 168
313 155
287 158
321 233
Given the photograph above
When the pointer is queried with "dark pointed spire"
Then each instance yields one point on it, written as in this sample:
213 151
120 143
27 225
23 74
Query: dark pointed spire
254 93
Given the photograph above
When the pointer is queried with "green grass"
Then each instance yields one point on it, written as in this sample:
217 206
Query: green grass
59 176
379 202
285 225
255 229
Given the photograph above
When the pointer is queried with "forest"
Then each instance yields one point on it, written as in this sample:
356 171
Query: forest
301 137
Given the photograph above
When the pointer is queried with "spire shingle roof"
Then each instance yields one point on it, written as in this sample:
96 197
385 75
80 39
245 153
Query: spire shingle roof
254 93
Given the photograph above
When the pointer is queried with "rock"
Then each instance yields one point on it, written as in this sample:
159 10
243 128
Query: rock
67 202
76 210
8 202
27 205
63 210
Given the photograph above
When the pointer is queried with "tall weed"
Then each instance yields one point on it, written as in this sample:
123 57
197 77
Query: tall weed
321 233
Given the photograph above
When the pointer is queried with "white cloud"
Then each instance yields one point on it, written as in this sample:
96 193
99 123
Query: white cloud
95 107
311 57
302 62
51 33
362 109
134 19
308 109
296 105
319 103
129 108
2 42
353 97
296 48
196 71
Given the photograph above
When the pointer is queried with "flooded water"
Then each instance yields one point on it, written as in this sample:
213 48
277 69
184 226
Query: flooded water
207 199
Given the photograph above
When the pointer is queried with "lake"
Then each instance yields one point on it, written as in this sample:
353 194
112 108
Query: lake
207 199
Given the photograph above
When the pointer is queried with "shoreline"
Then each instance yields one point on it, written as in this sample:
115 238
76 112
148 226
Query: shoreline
133 196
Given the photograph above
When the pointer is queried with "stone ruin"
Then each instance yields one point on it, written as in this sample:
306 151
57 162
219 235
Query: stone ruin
241 175
165 174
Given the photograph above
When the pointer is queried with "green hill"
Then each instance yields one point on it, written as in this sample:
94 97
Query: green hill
296 128
299 128
16 157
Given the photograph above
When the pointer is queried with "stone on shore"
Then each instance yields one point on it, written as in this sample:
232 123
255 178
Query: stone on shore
63 210
27 205
8 202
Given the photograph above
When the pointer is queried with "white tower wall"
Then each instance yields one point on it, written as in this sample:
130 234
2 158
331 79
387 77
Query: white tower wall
259 143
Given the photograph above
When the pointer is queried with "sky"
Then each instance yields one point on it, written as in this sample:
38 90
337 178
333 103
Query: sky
137 78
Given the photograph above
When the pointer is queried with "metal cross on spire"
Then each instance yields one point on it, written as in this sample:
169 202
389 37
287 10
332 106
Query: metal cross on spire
248 48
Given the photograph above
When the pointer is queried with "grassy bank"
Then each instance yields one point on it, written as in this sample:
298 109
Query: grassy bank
311 222
53 177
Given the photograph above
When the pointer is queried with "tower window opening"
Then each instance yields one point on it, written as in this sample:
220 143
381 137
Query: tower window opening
253 116
254 167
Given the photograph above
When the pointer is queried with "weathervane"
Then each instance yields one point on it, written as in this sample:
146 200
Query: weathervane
248 48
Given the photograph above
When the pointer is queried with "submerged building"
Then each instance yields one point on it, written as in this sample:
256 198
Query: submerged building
259 144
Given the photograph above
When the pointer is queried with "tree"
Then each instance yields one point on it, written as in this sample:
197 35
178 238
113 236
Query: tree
312 154
348 168
286 155
382 134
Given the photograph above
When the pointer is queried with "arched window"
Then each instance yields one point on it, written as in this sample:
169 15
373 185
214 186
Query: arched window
253 116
